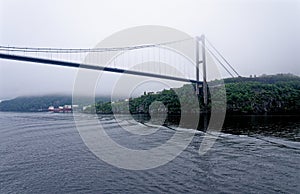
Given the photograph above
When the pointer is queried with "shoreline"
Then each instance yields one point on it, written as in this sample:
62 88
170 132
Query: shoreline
227 114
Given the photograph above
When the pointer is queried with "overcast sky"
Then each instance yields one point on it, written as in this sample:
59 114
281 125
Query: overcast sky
257 37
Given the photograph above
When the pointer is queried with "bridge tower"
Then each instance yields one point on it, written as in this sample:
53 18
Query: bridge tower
203 62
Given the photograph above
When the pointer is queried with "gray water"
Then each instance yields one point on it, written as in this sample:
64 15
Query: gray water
43 153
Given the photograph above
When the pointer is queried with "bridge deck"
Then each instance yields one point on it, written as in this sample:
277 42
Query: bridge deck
92 67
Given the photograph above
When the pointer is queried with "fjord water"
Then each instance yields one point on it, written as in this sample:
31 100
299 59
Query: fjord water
43 153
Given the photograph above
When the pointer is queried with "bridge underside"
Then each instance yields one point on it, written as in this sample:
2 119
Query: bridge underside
92 67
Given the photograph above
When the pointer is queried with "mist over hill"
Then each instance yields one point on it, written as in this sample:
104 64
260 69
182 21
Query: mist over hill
41 103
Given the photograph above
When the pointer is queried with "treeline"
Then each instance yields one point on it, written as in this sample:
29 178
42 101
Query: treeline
267 94
169 99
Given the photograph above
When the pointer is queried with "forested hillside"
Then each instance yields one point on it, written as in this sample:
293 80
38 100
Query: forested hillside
271 94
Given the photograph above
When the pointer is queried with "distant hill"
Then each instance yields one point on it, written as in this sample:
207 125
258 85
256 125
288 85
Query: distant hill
39 103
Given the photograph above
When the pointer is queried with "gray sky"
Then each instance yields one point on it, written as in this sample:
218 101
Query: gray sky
255 36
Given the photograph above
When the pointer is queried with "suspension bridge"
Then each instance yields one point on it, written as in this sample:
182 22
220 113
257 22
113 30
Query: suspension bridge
128 56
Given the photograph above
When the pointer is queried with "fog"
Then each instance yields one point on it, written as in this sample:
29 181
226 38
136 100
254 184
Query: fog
257 37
